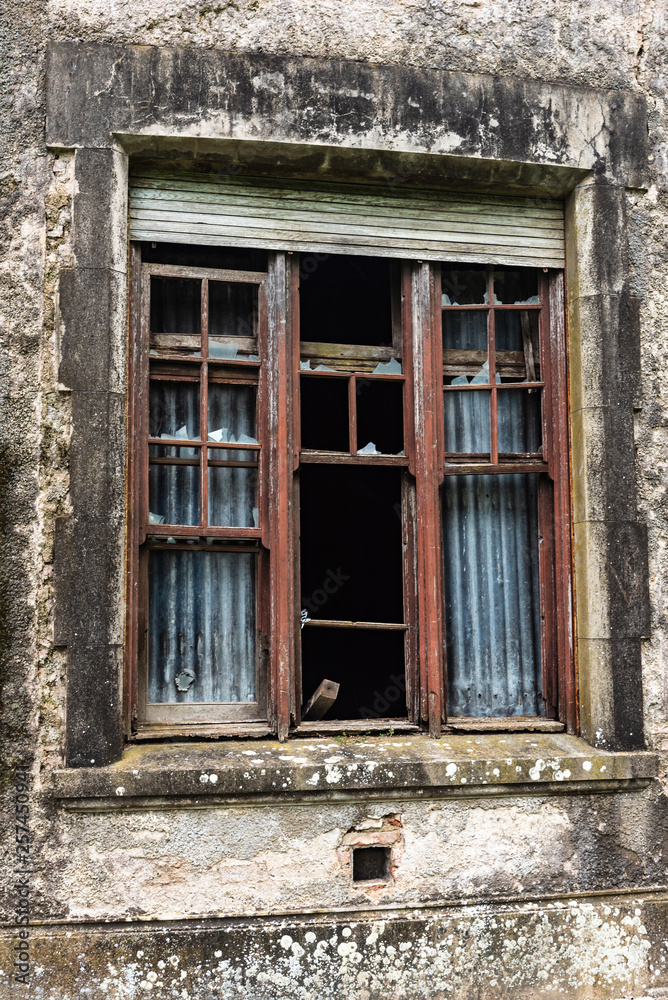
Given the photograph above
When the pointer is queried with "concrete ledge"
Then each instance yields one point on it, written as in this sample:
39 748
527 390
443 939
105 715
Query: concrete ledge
304 768
587 949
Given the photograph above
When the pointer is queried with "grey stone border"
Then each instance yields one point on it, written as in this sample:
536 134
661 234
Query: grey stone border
430 950
460 130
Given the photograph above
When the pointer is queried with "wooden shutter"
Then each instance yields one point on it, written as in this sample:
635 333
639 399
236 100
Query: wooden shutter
218 210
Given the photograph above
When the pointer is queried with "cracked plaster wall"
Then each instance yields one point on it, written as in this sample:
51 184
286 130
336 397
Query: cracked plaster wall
102 865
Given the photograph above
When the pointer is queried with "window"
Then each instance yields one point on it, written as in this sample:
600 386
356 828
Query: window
350 493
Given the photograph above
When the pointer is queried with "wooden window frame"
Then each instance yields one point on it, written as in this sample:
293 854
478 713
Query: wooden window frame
417 320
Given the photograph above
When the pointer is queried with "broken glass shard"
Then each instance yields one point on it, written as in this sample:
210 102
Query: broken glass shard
220 349
483 375
392 367
155 518
368 449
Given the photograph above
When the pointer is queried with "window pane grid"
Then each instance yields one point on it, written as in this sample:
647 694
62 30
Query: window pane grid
493 418
216 369
365 408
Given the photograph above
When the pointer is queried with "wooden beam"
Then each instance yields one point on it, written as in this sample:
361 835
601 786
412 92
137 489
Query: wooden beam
423 345
321 701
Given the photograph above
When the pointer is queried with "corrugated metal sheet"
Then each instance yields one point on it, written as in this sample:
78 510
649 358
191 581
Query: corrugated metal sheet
202 626
492 589
319 217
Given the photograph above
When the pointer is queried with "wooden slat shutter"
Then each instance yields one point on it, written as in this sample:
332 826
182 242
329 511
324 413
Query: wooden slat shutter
215 210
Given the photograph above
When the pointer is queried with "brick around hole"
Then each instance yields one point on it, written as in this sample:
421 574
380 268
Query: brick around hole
371 864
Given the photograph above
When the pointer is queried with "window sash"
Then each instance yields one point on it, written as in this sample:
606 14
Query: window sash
277 536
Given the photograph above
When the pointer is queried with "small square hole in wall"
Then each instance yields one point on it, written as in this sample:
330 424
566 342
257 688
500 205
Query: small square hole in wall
371 864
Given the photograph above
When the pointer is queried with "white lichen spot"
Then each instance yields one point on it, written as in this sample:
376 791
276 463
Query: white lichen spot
249 753
333 760
346 948
152 976
496 772
285 941
217 954
297 950
586 765
161 964
204 778
451 770
213 778
536 770
120 790
346 932
309 937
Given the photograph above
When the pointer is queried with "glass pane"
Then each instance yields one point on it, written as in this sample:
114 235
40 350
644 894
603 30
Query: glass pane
492 595
516 285
233 489
174 410
232 319
380 417
232 413
463 287
324 413
176 313
518 418
202 631
466 422
464 331
173 490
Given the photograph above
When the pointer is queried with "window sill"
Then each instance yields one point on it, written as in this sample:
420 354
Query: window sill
195 774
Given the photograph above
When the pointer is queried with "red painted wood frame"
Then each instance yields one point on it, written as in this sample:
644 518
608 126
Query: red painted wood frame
149 363
552 467
278 401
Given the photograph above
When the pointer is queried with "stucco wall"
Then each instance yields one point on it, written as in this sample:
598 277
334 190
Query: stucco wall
204 863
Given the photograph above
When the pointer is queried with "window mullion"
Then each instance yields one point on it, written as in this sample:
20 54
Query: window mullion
491 364
553 291
204 407
280 310
425 351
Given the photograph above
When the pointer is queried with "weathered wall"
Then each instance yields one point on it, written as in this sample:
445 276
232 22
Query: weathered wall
211 862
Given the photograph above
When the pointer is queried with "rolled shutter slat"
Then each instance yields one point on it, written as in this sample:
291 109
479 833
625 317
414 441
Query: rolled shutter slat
319 217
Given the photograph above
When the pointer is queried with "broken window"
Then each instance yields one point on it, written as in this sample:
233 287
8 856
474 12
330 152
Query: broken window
350 493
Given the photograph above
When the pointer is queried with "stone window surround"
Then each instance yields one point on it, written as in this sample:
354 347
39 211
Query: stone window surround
400 126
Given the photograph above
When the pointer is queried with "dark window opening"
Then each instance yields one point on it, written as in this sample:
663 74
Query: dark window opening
346 300
371 864
380 416
324 413
351 573
225 258
176 305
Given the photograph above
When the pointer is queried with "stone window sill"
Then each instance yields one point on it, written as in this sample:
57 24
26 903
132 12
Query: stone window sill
195 774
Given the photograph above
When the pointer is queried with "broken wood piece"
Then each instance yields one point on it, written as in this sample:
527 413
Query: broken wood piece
528 347
321 701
